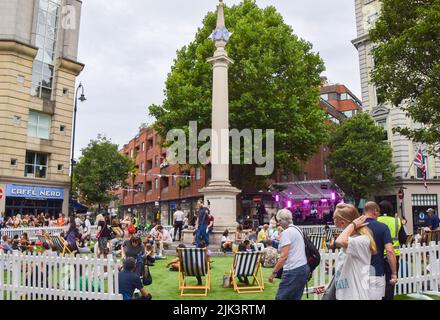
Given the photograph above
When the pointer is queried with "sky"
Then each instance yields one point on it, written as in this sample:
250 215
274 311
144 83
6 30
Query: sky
128 48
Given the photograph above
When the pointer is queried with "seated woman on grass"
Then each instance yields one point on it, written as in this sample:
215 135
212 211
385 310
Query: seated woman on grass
133 248
174 264
149 253
270 255
25 243
226 242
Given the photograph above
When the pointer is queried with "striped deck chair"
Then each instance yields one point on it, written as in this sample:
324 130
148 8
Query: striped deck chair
318 240
61 245
193 263
248 264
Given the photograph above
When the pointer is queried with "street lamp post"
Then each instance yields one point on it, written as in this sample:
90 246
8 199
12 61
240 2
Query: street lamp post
82 98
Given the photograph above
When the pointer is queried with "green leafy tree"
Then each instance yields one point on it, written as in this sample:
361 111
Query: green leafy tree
101 170
360 160
273 84
407 63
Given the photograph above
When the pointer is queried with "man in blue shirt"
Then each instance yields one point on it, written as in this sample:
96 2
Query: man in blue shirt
433 220
202 223
384 243
129 281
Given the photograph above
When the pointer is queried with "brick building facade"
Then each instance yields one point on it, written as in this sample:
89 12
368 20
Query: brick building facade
156 190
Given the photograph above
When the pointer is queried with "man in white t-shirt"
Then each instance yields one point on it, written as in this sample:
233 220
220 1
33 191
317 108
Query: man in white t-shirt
162 240
293 260
179 216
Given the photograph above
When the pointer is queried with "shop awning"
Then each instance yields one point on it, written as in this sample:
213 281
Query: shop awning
310 190
78 207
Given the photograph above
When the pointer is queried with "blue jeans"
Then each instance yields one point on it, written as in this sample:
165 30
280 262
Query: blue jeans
293 283
201 233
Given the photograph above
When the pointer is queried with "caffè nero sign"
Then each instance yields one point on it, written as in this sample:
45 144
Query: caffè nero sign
34 192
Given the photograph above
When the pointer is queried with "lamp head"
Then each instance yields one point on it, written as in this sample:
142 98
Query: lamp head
82 98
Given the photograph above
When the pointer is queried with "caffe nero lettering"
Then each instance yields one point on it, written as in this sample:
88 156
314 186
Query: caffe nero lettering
35 193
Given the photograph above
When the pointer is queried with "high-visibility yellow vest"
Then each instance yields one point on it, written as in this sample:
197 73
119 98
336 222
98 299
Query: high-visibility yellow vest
394 224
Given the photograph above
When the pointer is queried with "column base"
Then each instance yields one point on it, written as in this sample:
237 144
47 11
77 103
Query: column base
221 198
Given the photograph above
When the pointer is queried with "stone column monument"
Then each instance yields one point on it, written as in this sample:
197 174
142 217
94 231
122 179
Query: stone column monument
220 195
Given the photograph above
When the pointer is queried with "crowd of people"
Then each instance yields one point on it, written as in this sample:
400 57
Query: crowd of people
366 267
32 221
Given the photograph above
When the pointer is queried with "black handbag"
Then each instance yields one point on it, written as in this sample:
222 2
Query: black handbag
146 276
330 292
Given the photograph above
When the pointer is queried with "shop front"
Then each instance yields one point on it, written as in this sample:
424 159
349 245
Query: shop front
27 199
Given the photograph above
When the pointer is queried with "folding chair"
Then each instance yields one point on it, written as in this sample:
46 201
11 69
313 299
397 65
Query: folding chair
193 263
118 231
61 245
248 264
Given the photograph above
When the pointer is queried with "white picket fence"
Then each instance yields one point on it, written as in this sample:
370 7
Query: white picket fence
419 269
33 232
49 276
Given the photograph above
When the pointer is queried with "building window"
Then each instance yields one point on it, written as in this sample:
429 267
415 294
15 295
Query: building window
143 146
173 179
45 41
13 162
62 128
383 124
156 184
424 200
38 125
324 96
36 165
157 139
142 167
156 161
17 120
198 173
305 176
60 167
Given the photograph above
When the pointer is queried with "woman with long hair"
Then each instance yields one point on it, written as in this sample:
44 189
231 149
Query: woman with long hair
72 236
356 243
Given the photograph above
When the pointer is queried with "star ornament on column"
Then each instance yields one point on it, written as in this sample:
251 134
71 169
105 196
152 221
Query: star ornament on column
221 35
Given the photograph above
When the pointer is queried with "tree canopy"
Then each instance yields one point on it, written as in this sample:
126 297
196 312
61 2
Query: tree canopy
407 64
273 84
360 161
100 170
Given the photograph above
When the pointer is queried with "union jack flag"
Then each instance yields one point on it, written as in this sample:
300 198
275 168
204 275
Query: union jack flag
419 162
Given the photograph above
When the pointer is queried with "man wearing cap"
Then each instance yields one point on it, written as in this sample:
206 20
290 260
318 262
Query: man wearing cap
433 220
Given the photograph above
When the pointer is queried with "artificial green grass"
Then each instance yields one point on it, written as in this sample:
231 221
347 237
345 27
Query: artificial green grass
165 283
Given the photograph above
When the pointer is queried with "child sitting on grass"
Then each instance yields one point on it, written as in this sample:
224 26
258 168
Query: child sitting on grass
174 264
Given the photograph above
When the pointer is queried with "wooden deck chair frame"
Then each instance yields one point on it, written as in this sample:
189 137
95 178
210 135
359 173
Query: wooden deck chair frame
61 245
185 257
118 231
257 281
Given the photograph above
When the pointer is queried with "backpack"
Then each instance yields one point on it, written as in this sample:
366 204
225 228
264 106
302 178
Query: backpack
312 253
